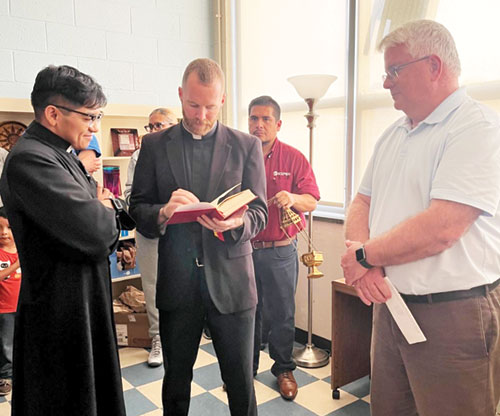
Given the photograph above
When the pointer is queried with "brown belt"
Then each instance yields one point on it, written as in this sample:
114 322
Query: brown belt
270 244
453 295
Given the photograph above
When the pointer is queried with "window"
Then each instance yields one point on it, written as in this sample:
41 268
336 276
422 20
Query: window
280 38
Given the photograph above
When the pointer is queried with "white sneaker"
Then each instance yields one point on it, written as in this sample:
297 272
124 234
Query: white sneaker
155 358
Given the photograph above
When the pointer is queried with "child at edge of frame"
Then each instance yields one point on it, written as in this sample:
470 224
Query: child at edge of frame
10 284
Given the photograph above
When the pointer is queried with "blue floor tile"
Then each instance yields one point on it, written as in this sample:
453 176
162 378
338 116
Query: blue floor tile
282 407
206 404
208 348
208 377
140 374
358 408
136 403
359 388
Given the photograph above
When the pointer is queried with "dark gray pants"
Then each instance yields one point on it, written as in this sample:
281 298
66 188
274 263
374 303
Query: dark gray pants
6 343
276 272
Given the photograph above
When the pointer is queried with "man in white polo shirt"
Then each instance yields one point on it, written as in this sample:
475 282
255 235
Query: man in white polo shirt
427 216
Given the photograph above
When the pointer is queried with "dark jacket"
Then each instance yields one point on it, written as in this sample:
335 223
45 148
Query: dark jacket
237 157
65 357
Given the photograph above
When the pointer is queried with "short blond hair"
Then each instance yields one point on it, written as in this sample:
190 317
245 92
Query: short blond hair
208 71
422 38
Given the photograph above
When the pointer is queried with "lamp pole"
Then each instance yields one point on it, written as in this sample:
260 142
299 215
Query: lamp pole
311 88
309 355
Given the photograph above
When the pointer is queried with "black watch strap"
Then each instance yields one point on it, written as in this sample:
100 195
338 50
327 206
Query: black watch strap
361 258
365 264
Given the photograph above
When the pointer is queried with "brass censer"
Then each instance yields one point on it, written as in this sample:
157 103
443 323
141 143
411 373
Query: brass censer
313 258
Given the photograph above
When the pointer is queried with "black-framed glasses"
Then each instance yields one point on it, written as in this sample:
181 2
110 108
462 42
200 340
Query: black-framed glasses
154 127
392 72
92 118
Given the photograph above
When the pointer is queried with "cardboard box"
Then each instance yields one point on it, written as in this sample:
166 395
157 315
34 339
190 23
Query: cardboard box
132 330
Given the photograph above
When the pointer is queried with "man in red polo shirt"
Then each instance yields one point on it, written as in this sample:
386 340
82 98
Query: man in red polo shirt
290 184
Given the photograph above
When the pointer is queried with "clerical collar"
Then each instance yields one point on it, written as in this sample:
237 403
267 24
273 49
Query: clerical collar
197 136
43 133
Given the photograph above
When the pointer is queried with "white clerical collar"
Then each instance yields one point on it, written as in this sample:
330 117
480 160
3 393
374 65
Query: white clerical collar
197 136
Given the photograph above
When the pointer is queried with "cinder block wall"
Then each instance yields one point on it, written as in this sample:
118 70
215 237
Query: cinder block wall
136 49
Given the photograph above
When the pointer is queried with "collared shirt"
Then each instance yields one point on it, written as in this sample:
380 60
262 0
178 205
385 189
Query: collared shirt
287 169
198 153
454 155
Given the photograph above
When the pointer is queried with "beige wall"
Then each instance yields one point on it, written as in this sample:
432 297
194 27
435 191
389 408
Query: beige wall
328 238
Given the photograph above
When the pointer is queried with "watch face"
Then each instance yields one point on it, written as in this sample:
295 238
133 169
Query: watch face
360 254
118 204
10 131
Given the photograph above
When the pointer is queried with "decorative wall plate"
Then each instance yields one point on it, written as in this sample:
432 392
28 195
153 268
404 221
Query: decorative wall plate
10 131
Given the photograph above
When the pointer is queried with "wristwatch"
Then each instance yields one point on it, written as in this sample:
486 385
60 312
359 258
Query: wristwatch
123 217
361 258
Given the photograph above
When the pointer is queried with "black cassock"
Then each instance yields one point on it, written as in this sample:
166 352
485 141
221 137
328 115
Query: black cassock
65 355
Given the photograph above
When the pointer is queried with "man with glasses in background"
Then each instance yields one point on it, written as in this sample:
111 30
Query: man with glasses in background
147 245
427 216
65 356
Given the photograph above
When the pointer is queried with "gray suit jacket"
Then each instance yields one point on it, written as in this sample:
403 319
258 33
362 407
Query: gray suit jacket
228 268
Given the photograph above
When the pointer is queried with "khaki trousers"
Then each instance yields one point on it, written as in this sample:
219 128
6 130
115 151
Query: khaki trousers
147 258
456 372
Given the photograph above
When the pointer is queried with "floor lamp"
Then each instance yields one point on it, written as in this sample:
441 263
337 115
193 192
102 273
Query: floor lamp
311 88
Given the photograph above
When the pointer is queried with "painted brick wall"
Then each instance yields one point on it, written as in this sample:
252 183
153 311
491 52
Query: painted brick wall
136 49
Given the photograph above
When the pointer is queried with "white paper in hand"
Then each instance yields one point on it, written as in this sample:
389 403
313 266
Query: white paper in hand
403 317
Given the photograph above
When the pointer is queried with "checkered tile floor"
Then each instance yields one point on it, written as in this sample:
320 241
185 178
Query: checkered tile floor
142 389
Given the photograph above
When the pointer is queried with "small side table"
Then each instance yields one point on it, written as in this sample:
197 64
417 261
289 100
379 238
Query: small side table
351 336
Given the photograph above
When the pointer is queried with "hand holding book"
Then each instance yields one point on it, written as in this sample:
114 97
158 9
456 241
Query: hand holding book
235 220
222 211
179 197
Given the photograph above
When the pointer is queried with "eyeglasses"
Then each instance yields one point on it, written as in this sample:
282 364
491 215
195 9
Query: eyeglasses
392 72
92 118
154 126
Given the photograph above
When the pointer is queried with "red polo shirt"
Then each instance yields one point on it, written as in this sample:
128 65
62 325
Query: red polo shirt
286 170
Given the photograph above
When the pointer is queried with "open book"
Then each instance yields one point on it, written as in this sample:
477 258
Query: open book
221 210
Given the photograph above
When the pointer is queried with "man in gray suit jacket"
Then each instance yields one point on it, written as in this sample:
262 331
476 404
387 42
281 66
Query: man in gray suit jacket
205 269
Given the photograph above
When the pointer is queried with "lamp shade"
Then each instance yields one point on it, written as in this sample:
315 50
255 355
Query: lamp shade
312 86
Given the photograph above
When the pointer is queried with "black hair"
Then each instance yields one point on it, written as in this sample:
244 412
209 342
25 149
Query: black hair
56 83
266 101
3 212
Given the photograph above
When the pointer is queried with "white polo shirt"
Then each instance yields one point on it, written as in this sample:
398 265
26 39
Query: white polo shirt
454 154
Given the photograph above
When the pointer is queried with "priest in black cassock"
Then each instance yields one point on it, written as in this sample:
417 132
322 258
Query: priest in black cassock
65 356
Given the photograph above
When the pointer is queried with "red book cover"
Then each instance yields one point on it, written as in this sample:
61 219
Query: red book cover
189 213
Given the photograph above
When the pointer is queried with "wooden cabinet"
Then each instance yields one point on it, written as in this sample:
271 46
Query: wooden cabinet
351 336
